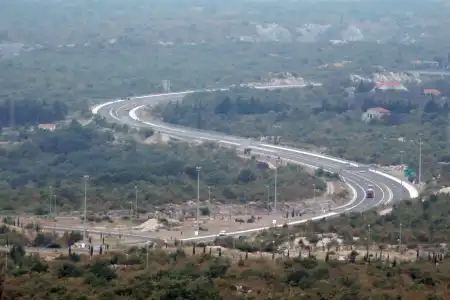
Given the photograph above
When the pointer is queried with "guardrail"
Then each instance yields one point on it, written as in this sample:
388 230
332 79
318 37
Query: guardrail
412 190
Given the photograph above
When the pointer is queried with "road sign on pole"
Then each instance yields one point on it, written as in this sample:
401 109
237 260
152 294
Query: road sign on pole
409 173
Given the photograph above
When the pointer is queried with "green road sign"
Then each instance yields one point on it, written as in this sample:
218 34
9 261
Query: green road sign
409 173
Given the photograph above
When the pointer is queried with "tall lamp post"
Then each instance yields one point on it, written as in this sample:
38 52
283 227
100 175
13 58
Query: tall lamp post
54 205
198 195
209 194
275 195
401 177
50 199
420 161
136 200
86 178
268 199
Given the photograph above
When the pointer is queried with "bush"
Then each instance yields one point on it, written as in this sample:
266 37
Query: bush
68 269
102 269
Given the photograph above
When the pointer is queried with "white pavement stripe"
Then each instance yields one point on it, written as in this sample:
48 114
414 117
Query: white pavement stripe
354 203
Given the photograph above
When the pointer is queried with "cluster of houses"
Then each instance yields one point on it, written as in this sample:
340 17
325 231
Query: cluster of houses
378 113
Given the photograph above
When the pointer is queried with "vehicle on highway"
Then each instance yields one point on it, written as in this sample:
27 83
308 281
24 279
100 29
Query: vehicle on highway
370 193
223 233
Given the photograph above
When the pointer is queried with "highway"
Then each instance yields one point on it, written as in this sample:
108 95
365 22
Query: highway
358 177
430 72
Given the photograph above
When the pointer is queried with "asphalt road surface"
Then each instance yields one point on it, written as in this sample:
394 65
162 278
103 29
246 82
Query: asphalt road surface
359 177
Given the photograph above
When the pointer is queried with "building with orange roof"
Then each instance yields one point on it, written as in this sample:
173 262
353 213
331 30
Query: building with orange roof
432 92
50 127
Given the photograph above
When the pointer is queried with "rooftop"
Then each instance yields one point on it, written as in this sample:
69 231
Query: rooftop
379 110
431 92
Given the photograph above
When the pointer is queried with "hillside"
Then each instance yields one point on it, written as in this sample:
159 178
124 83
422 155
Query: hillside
329 118
168 276
45 162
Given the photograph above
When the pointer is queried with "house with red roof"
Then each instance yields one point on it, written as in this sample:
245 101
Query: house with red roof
375 113
390 85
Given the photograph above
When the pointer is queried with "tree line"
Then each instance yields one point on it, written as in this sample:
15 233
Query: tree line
31 112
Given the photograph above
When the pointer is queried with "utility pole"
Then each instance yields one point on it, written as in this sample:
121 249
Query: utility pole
369 239
401 177
420 161
50 198
400 238
198 195
314 192
86 178
275 191
268 199
136 200
209 194
55 212
147 254
288 236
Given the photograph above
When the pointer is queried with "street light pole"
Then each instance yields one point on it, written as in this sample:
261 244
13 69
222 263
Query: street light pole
401 177
420 162
314 192
198 195
50 202
54 206
400 238
86 178
136 200
369 239
275 191
209 194
268 199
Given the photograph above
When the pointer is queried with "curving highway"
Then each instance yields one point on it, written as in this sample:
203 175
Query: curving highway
358 177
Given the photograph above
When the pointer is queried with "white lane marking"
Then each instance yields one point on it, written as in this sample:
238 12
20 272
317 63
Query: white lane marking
96 108
412 190
120 108
360 202
372 183
133 115
262 149
354 194
111 113
260 228
391 194
311 154
228 142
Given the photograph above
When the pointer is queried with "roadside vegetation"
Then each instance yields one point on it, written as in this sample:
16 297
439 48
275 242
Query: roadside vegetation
327 119
419 224
45 162
183 274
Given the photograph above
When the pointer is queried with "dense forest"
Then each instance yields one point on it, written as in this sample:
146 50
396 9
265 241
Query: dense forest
329 118
115 165
31 112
